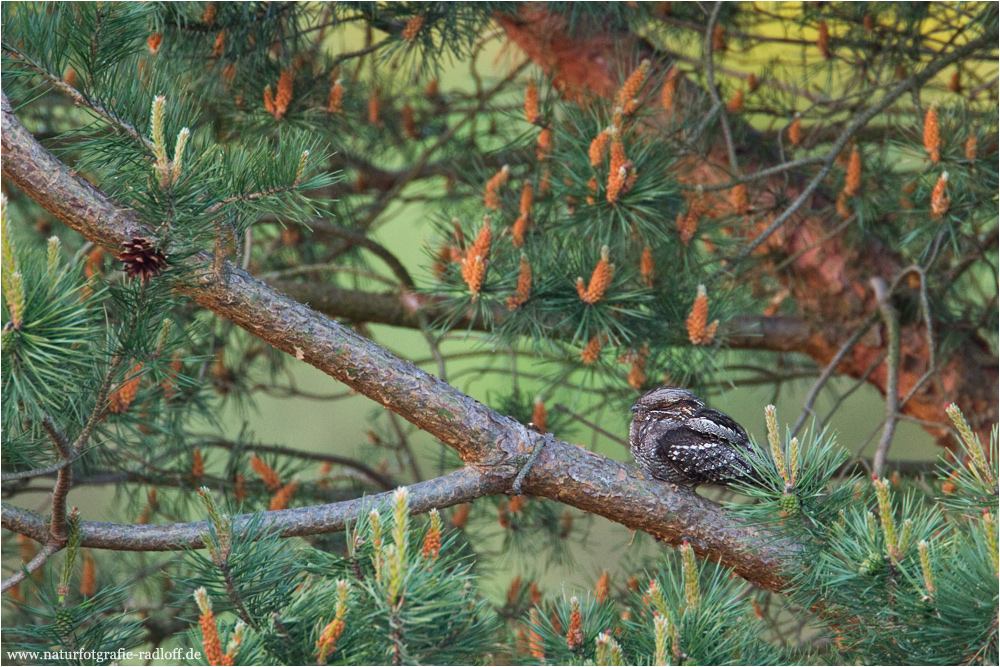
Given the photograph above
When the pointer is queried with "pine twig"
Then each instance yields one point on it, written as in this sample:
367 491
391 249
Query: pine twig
64 480
891 319
99 405
30 568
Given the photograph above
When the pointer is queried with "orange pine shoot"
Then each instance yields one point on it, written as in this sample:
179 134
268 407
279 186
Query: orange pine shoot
503 517
531 113
518 230
413 27
88 581
843 207
971 145
523 293
544 148
795 132
738 198
122 397
409 123
565 524
527 198
374 110
630 89
283 496
823 40
197 465
932 135
687 224
220 45
753 83
270 478
600 280
545 182
602 586
618 171
599 147
647 267
535 593
327 642
736 103
939 197
492 197
699 331
955 82
284 94
669 90
461 515
592 351
536 646
240 488
719 38
574 636
520 227
154 42
637 375
336 97
540 416
852 181
474 263
209 632
432 540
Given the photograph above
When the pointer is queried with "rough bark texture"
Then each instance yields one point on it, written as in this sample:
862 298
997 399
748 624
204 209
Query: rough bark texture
458 487
828 278
491 444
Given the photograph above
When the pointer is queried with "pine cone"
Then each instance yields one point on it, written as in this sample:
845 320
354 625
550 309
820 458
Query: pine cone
142 259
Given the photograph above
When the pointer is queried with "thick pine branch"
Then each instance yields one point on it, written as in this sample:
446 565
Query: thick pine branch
487 441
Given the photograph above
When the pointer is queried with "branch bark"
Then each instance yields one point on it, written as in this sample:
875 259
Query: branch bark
460 486
491 444
748 332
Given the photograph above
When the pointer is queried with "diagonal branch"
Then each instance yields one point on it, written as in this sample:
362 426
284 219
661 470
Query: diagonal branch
29 568
492 443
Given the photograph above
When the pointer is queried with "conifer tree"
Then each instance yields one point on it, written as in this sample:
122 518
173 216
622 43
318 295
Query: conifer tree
612 197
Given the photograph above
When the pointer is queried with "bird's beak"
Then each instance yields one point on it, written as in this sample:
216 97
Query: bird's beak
635 408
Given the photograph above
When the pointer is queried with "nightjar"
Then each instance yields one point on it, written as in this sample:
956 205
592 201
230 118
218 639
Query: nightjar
675 438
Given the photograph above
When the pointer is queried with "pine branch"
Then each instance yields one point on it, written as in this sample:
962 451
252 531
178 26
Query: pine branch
29 568
369 472
747 332
64 480
891 320
461 486
482 437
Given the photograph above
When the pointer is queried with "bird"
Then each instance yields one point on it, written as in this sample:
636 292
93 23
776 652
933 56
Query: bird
675 438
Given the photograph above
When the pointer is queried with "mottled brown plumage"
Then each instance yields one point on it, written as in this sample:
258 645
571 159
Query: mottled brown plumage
675 438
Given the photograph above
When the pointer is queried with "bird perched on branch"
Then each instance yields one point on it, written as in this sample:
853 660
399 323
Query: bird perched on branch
675 438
